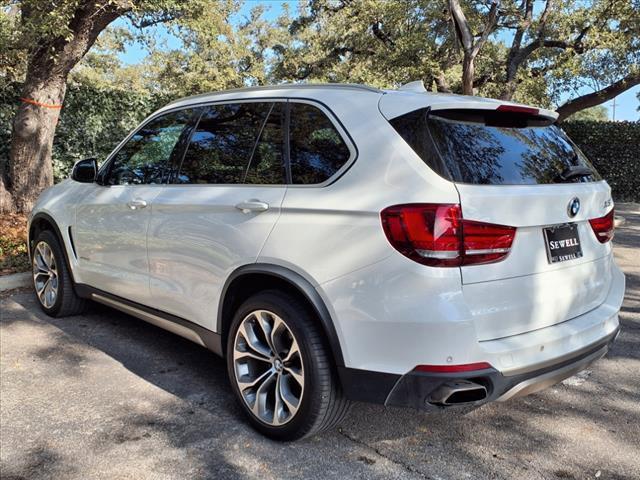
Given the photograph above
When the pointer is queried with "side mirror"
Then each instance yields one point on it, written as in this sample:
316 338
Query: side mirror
85 171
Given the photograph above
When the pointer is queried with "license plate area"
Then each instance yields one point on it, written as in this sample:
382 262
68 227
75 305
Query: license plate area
562 242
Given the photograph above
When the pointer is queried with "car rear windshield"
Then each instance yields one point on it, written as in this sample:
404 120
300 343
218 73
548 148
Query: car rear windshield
494 148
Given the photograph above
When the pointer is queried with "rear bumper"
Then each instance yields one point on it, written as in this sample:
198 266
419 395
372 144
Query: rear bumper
423 391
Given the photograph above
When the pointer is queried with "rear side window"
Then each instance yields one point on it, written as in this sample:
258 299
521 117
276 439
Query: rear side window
223 146
413 128
487 147
317 150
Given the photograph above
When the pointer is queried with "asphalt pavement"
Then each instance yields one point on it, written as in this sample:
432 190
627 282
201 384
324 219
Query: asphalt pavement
105 395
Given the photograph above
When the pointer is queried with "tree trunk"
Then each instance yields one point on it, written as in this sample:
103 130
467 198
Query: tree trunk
6 201
511 84
470 46
468 72
30 166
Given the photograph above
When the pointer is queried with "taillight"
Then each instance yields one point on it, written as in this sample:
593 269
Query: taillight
603 227
438 236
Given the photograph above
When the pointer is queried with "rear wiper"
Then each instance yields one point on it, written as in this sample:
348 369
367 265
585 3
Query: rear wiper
574 171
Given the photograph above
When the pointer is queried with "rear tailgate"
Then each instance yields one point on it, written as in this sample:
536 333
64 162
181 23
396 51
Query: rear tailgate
525 291
512 166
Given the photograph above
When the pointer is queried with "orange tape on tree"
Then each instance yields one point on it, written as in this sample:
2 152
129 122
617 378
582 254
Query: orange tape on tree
38 104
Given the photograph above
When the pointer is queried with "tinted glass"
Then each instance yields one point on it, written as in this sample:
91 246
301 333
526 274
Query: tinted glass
317 149
148 155
222 143
267 162
412 127
487 148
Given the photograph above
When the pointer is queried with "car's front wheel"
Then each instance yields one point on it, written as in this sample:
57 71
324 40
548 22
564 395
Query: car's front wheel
280 368
51 278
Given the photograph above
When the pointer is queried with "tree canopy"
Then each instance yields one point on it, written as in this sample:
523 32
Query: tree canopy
549 53
564 54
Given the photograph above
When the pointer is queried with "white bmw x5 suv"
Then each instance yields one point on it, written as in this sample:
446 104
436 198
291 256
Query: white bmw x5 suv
340 242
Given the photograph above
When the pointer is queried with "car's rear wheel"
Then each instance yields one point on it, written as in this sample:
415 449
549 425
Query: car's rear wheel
51 278
280 369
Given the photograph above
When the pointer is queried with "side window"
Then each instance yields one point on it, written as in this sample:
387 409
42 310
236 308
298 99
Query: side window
148 155
223 144
267 163
317 149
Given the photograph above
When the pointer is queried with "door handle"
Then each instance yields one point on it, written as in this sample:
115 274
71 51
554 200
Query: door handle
137 204
252 206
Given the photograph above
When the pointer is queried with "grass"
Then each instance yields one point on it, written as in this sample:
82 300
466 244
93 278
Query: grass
14 256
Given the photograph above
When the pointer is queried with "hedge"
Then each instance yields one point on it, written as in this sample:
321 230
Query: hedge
614 150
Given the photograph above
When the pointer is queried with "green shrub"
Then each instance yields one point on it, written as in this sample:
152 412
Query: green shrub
614 149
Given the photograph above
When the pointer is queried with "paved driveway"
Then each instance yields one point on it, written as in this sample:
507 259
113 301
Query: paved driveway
108 396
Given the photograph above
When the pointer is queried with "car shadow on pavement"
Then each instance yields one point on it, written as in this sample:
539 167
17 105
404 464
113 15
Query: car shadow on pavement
170 362
195 376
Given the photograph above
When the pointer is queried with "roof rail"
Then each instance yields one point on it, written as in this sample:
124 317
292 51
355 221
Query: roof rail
283 86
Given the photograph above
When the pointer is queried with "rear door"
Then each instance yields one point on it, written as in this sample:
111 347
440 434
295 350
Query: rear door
110 233
220 208
518 169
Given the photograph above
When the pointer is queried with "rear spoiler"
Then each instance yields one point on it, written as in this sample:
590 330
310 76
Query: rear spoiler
396 103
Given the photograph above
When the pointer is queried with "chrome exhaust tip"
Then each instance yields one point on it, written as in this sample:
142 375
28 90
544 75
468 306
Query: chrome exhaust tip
458 392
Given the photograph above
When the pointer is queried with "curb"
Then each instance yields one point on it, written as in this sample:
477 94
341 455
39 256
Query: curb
15 280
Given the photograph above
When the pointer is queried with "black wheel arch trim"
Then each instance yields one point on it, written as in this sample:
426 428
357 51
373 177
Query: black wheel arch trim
56 230
304 287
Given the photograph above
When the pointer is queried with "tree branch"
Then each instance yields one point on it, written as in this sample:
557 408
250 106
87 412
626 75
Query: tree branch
385 38
544 17
462 25
470 45
150 22
489 25
525 52
599 97
516 45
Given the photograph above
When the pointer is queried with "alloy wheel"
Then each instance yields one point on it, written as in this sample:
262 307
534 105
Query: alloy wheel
268 367
45 274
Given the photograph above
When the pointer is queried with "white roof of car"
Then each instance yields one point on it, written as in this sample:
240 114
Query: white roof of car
392 103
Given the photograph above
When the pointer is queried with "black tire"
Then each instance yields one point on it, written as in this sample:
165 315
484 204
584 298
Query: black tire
322 405
67 302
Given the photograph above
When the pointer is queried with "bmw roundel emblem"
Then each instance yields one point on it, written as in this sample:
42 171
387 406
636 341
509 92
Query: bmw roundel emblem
574 207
